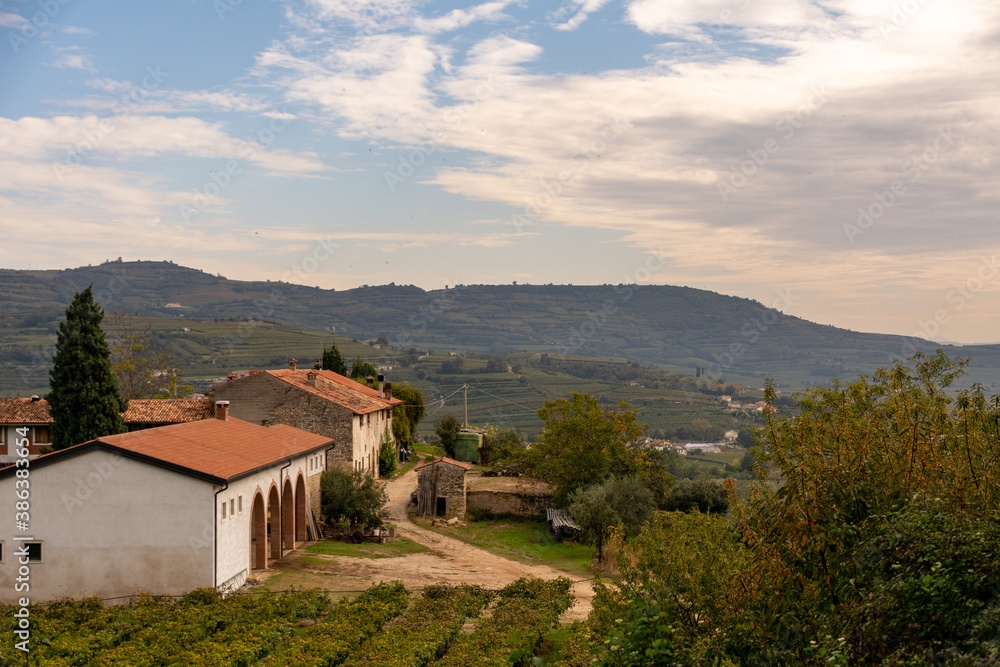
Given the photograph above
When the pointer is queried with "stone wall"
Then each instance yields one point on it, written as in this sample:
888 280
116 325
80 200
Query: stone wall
450 482
509 502
262 398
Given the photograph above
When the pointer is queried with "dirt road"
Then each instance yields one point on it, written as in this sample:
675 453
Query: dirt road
450 560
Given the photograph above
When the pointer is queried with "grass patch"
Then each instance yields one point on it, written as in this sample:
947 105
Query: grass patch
433 450
398 547
524 540
408 466
339 587
311 560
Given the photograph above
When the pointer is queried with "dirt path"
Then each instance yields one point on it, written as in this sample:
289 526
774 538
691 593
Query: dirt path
450 560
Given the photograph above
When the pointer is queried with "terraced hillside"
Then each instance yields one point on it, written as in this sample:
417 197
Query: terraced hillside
676 328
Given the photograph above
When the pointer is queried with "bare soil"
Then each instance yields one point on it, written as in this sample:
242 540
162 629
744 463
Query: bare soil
450 561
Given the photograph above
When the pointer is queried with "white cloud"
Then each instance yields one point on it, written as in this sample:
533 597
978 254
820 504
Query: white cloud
678 17
74 30
71 58
72 139
585 9
379 86
10 20
460 18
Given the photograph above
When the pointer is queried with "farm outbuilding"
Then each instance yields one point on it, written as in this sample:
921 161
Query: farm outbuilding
163 510
441 487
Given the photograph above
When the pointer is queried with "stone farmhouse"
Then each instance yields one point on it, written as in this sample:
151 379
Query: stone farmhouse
32 416
441 487
353 415
164 510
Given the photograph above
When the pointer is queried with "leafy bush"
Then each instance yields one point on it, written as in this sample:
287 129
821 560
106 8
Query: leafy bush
388 456
703 495
354 496
447 430
874 542
621 501
929 584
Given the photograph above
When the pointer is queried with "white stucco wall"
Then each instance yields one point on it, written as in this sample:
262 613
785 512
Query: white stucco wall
234 531
368 438
110 527
9 437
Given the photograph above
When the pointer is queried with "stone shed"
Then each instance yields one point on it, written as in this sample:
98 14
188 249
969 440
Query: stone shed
441 487
518 496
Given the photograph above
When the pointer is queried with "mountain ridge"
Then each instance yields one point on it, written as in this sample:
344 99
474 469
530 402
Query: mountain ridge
677 328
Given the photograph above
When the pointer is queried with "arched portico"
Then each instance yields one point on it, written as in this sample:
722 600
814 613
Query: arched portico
274 523
287 516
258 533
300 509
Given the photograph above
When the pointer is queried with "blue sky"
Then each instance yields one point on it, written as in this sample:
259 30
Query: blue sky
842 152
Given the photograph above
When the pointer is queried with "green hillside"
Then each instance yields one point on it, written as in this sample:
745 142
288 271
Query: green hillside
673 328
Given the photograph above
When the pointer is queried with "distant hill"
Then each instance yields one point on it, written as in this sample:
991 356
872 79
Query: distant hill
676 328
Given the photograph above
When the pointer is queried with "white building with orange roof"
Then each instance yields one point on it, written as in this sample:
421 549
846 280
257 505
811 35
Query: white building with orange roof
163 510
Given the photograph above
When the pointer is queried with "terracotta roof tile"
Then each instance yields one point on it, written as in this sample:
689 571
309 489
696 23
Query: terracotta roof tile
445 459
220 448
168 410
359 398
140 411
24 411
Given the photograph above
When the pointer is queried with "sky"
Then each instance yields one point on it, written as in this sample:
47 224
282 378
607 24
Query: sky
834 159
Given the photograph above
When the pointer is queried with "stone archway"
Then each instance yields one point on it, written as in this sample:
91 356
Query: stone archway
274 523
258 533
300 509
287 517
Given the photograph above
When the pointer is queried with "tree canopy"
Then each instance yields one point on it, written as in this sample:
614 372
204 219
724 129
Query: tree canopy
582 443
623 502
331 360
447 429
85 401
869 538
406 417
362 370
354 496
142 368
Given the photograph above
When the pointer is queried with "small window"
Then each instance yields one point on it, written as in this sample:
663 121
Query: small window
239 504
232 507
42 434
34 551
223 510
1 541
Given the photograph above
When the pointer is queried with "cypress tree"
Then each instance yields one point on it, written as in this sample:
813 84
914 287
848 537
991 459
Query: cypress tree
333 361
84 400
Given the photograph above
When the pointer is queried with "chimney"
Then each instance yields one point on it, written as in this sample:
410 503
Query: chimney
311 378
222 410
35 398
371 382
388 391
292 362
381 381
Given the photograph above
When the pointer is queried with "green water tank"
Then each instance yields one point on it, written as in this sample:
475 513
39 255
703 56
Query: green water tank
467 447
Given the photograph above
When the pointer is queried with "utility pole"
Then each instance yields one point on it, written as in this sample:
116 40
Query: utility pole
465 389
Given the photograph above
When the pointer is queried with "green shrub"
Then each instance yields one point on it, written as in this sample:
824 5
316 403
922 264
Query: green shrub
703 495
